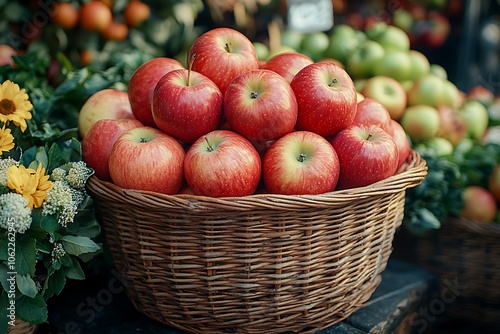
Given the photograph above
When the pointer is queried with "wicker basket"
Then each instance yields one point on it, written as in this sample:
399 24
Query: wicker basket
21 327
465 255
255 264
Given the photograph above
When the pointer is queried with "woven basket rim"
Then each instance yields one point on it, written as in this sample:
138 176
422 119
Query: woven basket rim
410 174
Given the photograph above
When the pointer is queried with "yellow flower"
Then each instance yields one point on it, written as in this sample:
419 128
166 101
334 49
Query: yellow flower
6 140
31 184
14 105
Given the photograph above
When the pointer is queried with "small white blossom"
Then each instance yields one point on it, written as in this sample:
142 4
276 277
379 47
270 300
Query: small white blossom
4 165
58 251
58 174
14 212
60 201
78 175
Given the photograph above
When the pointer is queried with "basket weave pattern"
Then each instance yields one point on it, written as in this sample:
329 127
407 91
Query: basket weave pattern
466 254
255 264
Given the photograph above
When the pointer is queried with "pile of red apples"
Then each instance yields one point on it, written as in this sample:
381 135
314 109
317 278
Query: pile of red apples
230 125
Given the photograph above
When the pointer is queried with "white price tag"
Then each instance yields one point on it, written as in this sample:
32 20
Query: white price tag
309 15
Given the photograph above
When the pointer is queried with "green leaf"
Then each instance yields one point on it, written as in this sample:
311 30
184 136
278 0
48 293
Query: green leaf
26 285
50 224
87 225
44 246
77 245
55 284
32 310
25 256
3 277
4 247
75 271
4 304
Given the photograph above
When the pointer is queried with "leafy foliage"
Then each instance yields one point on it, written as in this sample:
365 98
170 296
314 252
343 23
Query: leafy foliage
439 196
46 255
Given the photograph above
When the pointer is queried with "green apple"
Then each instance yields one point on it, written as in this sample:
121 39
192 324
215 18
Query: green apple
343 41
403 19
314 44
437 147
419 64
393 38
387 91
261 49
376 29
291 38
394 64
451 94
277 50
421 122
476 117
363 60
427 90
438 70
359 83
407 84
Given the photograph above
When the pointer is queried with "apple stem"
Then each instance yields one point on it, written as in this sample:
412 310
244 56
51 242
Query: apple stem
209 148
333 82
369 136
190 66
302 157
228 47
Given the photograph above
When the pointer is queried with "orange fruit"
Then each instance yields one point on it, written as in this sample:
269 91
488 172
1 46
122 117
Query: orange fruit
65 15
95 16
116 31
136 12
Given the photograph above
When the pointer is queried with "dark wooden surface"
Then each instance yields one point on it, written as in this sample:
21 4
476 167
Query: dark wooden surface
102 307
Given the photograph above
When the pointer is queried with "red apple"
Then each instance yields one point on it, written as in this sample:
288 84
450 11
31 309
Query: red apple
260 105
452 125
478 204
288 64
372 112
387 91
402 142
144 158
367 154
107 103
301 162
142 84
481 94
222 54
186 104
97 144
326 98
494 182
222 163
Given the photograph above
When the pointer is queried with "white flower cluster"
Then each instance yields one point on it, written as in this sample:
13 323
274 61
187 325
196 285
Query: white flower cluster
58 251
68 191
78 175
4 165
60 201
14 212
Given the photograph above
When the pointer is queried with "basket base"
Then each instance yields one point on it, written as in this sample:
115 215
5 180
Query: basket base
22 327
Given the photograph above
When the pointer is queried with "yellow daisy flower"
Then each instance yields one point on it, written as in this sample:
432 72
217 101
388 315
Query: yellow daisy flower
6 140
14 105
31 184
